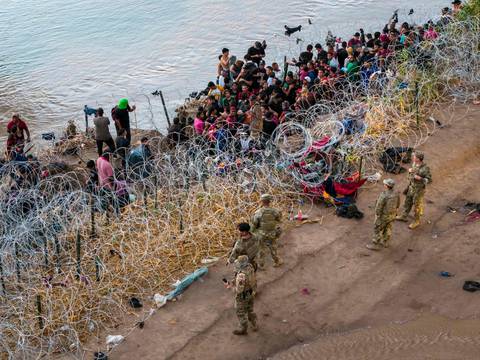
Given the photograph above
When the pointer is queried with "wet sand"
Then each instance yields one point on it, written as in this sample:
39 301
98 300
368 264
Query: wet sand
361 304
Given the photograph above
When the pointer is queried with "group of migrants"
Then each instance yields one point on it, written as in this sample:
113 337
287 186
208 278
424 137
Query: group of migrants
249 100
243 107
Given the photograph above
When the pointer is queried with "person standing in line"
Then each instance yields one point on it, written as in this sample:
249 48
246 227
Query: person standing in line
102 133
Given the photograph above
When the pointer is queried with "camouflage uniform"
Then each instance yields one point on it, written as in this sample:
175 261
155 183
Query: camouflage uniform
416 192
245 284
385 212
248 247
266 221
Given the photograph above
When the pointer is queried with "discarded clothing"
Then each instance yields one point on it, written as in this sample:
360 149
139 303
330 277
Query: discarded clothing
471 286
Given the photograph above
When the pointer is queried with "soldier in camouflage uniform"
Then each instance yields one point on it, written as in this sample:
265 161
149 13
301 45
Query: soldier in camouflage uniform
266 223
244 284
385 212
248 244
418 176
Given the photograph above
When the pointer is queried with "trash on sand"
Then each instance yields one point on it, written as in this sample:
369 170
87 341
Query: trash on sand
210 260
186 282
160 300
471 286
445 274
300 216
100 356
375 177
305 291
135 303
451 209
114 339
474 216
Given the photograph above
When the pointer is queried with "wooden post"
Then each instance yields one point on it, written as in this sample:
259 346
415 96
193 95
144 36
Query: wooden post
17 263
92 217
156 192
97 267
45 248
165 109
417 115
285 68
2 279
145 201
360 168
57 253
78 251
39 312
86 118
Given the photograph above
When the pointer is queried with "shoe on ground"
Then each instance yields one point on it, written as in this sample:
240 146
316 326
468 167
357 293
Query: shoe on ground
401 218
240 332
386 245
254 327
414 225
278 263
374 247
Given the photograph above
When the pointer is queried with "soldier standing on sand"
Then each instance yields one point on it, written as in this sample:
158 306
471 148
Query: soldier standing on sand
266 223
247 244
244 286
385 212
418 176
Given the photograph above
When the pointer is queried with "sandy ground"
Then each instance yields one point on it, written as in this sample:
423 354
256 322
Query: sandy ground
359 304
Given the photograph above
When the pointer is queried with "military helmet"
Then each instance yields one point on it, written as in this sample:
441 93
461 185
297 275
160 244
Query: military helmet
419 155
389 182
241 262
266 197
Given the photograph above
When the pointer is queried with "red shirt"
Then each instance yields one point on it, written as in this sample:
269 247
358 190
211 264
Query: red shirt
21 125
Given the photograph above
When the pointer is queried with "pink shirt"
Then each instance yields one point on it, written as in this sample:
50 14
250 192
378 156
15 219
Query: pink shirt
105 171
431 34
199 126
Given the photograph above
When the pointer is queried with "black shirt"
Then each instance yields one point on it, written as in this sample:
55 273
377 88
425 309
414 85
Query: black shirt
122 116
305 57
342 54
322 56
254 51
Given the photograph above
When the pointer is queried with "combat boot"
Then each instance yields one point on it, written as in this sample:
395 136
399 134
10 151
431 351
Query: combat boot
254 325
414 225
278 263
240 331
402 217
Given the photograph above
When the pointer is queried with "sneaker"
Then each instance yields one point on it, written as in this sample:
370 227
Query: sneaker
414 225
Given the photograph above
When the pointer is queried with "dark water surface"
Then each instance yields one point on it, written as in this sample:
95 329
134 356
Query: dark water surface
58 55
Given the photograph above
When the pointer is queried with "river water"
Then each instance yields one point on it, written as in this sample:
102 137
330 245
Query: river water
58 55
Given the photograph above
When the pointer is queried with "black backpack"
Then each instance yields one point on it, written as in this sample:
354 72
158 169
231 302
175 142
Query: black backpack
349 211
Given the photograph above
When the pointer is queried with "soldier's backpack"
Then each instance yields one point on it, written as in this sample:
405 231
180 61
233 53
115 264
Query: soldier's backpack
349 211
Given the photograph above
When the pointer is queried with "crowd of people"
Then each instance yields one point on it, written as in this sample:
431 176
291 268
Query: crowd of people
252 98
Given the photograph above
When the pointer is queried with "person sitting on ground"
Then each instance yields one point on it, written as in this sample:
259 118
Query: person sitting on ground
120 114
105 179
139 159
102 133
122 144
176 133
